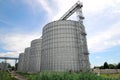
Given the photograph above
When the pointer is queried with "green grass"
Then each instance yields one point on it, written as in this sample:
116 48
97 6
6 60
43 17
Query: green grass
4 75
114 76
67 76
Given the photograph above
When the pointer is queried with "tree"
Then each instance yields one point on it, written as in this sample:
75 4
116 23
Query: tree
118 66
111 66
16 65
9 66
106 65
101 67
13 68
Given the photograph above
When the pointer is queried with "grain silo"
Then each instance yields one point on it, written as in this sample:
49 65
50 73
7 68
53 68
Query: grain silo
64 46
24 60
20 63
35 56
26 63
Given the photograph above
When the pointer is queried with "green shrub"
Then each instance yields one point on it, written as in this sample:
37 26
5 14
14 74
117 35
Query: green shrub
6 76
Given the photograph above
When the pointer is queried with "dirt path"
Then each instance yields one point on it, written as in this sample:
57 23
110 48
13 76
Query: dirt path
17 76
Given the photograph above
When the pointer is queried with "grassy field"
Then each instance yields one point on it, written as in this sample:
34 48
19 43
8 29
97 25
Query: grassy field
114 76
4 75
70 76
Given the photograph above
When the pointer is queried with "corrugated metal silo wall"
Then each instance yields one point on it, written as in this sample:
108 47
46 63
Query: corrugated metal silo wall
27 53
35 56
64 47
21 62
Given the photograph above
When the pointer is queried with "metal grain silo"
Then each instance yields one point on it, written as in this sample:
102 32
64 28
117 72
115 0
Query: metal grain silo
35 56
26 59
64 46
21 62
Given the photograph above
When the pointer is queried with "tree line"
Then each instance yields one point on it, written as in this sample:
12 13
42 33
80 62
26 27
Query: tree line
109 66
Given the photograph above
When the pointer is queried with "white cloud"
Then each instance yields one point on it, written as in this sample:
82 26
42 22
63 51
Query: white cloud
36 5
16 43
106 39
45 6
96 6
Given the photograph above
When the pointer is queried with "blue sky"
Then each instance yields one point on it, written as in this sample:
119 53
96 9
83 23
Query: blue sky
22 21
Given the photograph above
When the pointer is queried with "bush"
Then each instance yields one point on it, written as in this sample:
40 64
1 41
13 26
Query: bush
6 76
